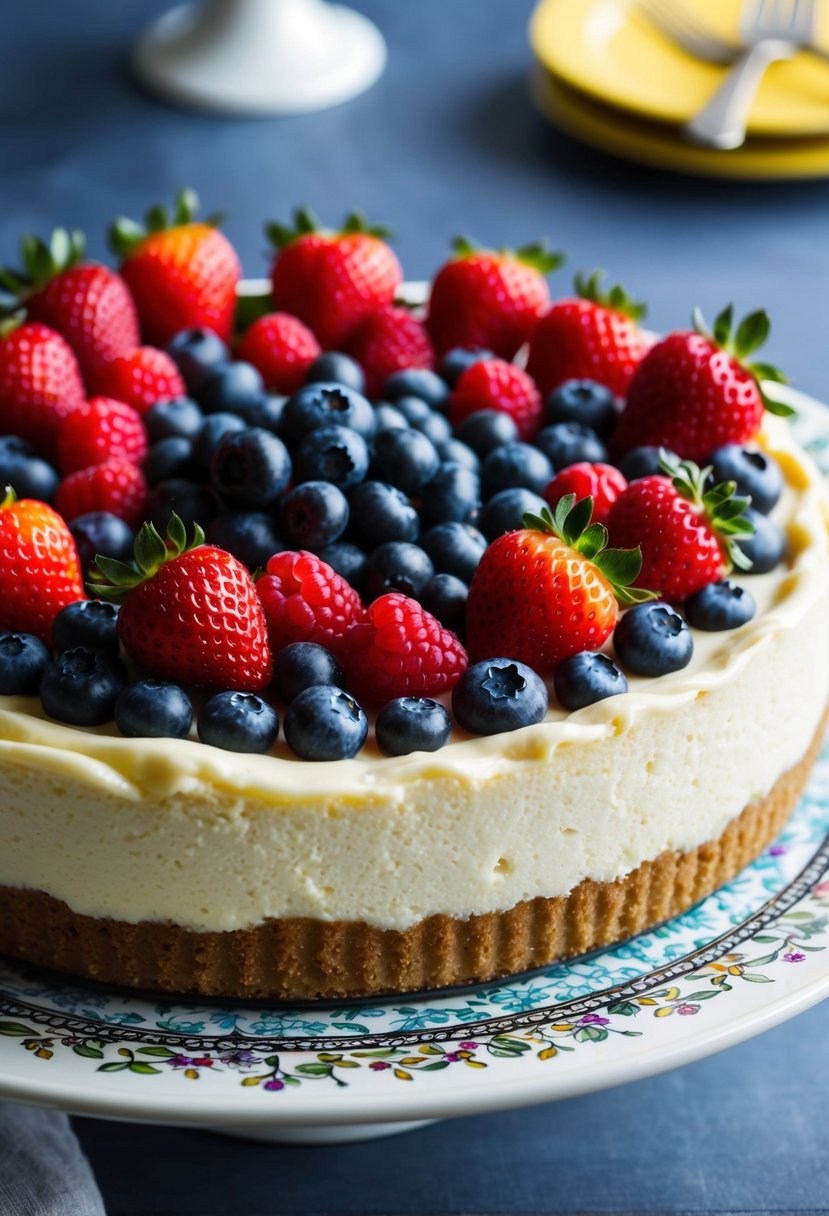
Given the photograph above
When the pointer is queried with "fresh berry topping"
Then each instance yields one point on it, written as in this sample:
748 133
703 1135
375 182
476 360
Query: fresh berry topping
325 723
304 665
333 453
585 402
566 443
306 601
336 367
755 474
405 459
400 651
499 695
40 383
763 548
182 273
696 391
39 567
505 511
282 348
331 280
231 388
23 660
250 468
81 687
453 495
266 412
455 548
488 298
21 468
117 486
313 514
719 606
398 566
196 352
497 385
551 589
601 482
389 340
321 404
100 430
249 535
445 597
90 623
653 639
455 362
189 613
454 451
101 532
238 722
586 678
211 433
141 378
412 724
379 513
179 419
417 382
154 709
172 457
388 418
515 465
487 430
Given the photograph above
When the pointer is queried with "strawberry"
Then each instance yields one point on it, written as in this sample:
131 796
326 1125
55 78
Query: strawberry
306 601
550 590
401 650
182 274
688 534
282 348
331 280
141 378
99 430
494 384
484 299
695 390
40 383
601 482
87 303
189 612
39 566
592 337
389 340
117 486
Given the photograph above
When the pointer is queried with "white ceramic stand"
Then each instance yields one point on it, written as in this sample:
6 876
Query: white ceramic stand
342 1133
259 56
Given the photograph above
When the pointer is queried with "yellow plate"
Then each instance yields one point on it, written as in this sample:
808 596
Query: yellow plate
609 130
610 51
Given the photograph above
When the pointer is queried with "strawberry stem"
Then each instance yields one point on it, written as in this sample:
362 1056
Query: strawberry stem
125 235
589 287
113 580
537 254
751 333
306 222
722 507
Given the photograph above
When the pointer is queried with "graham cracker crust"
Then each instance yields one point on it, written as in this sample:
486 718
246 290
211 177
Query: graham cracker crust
300 958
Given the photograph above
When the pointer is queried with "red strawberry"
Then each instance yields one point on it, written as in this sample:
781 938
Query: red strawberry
494 384
141 378
688 535
306 601
401 650
601 482
117 486
189 613
87 303
490 299
593 337
102 429
181 274
550 590
331 280
386 341
40 383
39 567
695 391
282 348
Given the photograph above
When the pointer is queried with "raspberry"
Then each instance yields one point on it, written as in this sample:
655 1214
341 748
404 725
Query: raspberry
306 601
386 341
494 384
401 651
281 348
142 378
118 486
102 429
602 482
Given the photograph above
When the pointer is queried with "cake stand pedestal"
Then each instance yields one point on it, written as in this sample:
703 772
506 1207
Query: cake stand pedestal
248 57
332 1133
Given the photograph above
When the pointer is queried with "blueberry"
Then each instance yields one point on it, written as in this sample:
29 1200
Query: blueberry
397 566
756 474
197 352
238 722
566 443
418 382
231 388
30 476
765 546
211 433
101 532
504 512
455 548
318 405
456 361
379 513
336 368
586 678
333 453
250 468
91 623
388 417
652 639
412 724
180 419
266 413
453 494
304 665
23 660
154 709
584 401
487 430
251 536
170 457
413 409
435 427
325 723
81 687
404 458
313 514
641 462
347 559
515 465
193 503
445 597
719 606
499 695
455 451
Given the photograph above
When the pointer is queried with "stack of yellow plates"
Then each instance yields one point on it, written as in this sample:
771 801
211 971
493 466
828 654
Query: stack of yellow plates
607 75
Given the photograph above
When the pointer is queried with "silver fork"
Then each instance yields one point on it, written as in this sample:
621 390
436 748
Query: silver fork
677 22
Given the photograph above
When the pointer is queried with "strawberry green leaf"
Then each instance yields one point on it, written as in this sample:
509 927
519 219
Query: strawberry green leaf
751 333
537 254
593 540
615 298
157 218
620 566
113 580
186 206
125 236
150 550
577 520
465 246
722 326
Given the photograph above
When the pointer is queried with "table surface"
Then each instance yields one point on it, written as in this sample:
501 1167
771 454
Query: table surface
447 142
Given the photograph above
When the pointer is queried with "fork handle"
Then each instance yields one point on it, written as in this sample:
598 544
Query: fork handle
722 122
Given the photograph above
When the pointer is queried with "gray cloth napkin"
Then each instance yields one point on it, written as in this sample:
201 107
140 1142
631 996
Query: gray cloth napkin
42 1169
